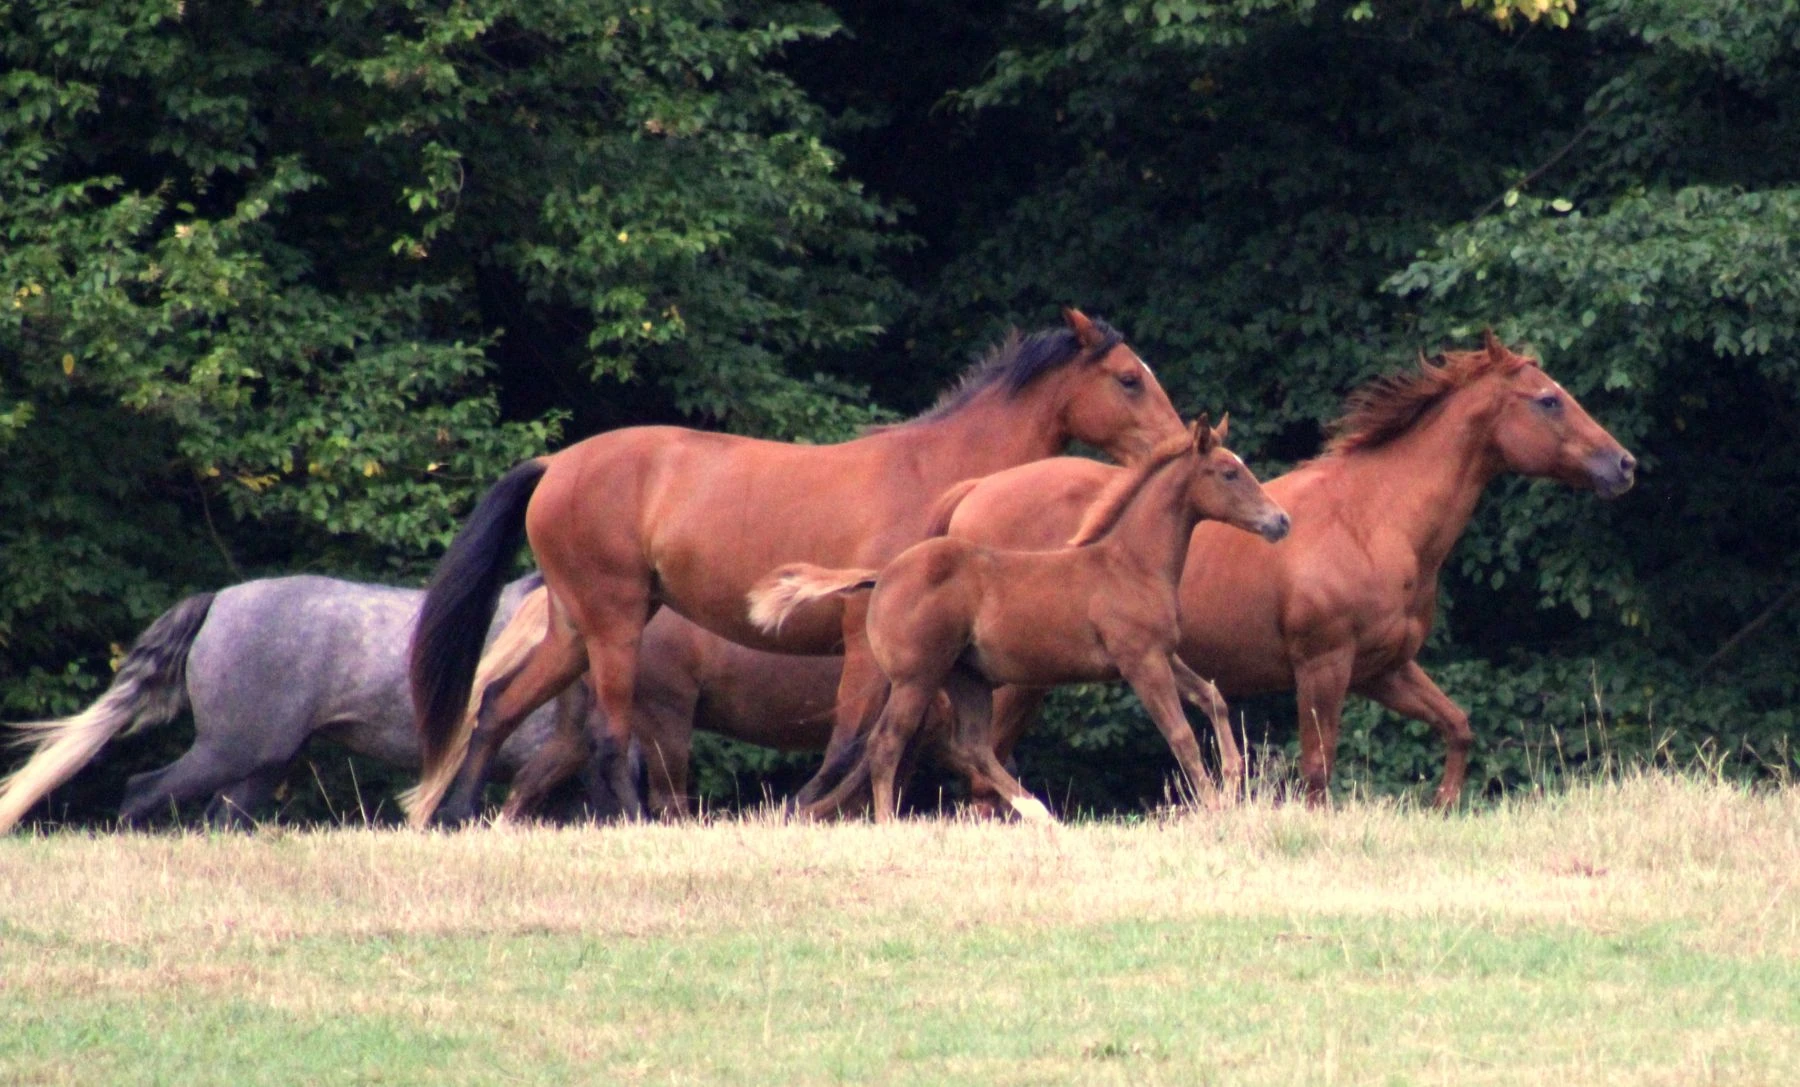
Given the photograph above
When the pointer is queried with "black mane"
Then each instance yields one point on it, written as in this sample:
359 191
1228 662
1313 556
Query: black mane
1016 362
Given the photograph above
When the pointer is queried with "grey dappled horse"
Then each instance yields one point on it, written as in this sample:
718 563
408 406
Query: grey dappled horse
266 666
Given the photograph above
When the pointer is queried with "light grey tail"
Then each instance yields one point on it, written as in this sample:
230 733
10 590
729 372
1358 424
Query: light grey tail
150 689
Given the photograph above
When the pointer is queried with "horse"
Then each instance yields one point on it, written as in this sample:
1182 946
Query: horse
688 680
265 666
1344 605
627 521
954 615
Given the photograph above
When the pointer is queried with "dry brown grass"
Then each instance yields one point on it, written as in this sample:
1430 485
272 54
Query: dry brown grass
938 923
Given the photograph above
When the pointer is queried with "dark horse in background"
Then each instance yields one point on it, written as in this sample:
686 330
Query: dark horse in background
265 666
630 520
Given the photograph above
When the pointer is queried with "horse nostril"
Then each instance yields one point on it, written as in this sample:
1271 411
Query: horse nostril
1627 463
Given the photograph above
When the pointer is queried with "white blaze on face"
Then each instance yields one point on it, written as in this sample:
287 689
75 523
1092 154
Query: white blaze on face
1145 365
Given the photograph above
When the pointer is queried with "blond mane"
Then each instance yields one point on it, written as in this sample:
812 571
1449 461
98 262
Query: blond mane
1110 504
1383 409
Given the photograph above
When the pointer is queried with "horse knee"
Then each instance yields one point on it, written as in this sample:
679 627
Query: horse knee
1457 734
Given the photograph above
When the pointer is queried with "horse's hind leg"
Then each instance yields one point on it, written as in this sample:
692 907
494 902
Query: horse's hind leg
201 771
971 747
547 669
235 807
861 696
1203 694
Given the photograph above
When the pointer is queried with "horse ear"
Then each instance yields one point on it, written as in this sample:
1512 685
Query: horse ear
1223 428
1491 343
1203 435
1085 332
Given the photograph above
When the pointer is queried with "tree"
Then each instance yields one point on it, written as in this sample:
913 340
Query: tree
264 267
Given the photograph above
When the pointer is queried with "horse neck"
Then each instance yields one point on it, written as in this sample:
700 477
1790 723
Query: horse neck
992 432
1425 483
1153 529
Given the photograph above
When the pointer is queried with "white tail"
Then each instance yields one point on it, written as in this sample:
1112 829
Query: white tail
149 689
797 584
521 634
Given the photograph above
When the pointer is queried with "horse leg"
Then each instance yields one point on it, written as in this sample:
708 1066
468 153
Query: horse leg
202 770
1408 691
612 668
546 670
1152 677
861 694
1320 684
561 756
875 768
1204 695
971 747
235 806
1015 709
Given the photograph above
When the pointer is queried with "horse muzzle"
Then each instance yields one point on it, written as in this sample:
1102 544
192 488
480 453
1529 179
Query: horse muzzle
1275 529
1612 473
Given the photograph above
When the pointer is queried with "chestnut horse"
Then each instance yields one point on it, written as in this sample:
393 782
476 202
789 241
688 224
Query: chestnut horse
952 615
1345 603
627 521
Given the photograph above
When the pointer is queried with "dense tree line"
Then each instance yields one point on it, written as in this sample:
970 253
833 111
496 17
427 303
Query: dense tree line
287 285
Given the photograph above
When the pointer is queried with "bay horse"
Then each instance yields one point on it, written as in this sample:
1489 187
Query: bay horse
1345 603
689 679
627 521
265 666
953 615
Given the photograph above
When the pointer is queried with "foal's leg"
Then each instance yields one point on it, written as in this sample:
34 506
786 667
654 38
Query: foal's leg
1320 684
881 756
1408 691
1203 694
1152 676
861 694
971 747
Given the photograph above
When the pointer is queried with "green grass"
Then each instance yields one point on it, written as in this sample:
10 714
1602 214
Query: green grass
1635 933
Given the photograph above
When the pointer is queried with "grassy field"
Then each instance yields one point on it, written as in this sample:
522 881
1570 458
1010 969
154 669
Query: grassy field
1641 932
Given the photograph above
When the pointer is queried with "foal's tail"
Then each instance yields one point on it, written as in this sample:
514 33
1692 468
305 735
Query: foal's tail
458 606
149 689
797 584
522 632
944 509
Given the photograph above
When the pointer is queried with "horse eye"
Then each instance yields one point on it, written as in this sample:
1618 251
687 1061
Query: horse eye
1549 401
1231 475
1130 381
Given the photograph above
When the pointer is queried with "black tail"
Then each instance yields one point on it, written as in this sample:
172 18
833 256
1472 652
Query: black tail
459 605
149 689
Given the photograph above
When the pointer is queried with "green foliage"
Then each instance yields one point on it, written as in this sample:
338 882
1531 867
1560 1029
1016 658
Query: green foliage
260 263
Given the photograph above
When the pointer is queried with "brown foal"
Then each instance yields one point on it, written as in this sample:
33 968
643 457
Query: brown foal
951 615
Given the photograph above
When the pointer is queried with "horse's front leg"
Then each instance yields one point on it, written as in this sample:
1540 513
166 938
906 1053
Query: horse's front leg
1204 695
1320 683
1152 676
1408 691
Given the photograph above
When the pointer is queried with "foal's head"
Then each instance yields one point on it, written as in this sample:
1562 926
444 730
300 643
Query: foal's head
1110 399
1224 489
1541 430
